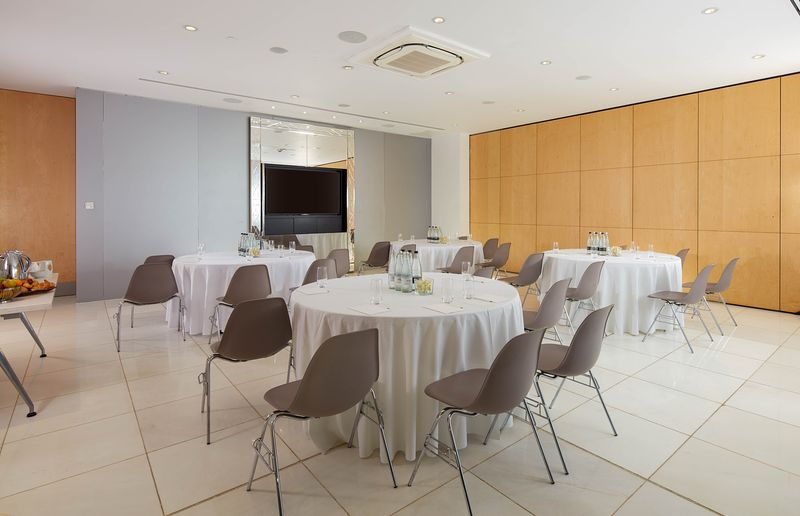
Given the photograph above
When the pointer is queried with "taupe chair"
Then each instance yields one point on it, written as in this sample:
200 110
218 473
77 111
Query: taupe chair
311 273
151 284
528 275
716 289
497 390
500 258
256 329
582 294
550 310
378 257
309 248
683 302
484 272
409 247
489 248
465 254
342 259
247 283
340 376
682 255
158 258
463 237
578 359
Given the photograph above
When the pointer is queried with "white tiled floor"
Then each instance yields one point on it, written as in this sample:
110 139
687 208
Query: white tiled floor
123 434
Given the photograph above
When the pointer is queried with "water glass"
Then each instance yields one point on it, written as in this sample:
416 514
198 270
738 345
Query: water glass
469 287
201 250
466 268
291 246
270 245
376 291
651 251
322 277
447 289
632 246
413 238
399 237
555 247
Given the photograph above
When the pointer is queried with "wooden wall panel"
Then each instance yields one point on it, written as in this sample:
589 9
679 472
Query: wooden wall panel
484 155
665 196
558 145
484 195
740 121
790 114
607 139
671 241
665 131
518 200
37 171
518 151
756 281
483 232
523 243
790 194
617 236
558 199
566 236
790 273
740 195
606 198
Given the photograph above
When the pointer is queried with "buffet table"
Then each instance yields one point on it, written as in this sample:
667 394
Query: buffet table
417 346
435 256
626 281
202 280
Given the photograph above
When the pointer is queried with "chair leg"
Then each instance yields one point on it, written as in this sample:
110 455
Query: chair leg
602 402
538 441
132 307
355 424
382 429
558 391
569 319
721 298
255 444
525 297
550 422
680 325
119 316
652 324
219 327
458 461
703 321
714 317
424 445
491 427
213 320
207 388
291 363
558 336
182 317
276 472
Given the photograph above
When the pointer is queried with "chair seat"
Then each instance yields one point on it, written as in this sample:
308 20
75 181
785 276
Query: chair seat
511 280
221 301
711 288
281 397
459 390
487 263
551 356
668 295
528 318
571 293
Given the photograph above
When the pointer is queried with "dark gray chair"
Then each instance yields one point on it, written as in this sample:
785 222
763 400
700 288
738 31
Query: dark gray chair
309 248
550 310
497 390
342 259
340 376
682 302
682 255
158 258
499 258
378 257
311 273
484 272
465 254
490 247
582 294
256 329
716 289
528 275
247 283
151 284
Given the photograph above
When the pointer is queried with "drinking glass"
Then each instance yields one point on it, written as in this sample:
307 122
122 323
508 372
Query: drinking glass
376 291
651 251
201 250
291 246
413 237
447 290
400 237
322 277
555 247
469 287
632 246
466 268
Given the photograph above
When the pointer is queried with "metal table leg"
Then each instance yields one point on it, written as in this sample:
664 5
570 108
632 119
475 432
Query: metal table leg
27 323
5 365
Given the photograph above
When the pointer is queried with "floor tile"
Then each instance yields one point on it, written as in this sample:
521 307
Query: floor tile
778 376
786 357
50 385
242 372
163 388
656 501
65 338
737 346
623 361
775 321
691 380
62 359
652 346
768 402
176 359
716 361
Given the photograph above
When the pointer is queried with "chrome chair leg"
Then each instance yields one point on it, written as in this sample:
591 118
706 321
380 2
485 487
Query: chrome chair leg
538 441
680 325
702 320
713 317
291 363
721 298
132 307
207 389
491 427
256 444
382 429
569 319
425 445
550 422
212 319
602 402
558 391
652 324
458 460
355 424
119 316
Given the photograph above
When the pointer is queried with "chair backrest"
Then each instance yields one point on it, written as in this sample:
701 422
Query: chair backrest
587 285
342 259
309 248
463 237
551 307
489 248
584 350
160 258
340 374
531 270
500 257
682 255
379 255
311 273
247 283
291 238
151 283
484 272
510 376
409 247
698 289
258 328
465 254
725 278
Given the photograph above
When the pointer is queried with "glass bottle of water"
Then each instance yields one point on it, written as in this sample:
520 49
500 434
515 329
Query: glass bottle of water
416 270
392 268
405 276
605 244
589 243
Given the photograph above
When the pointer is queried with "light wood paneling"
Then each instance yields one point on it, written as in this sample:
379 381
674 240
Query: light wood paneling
484 155
606 198
607 139
518 200
790 114
558 145
37 171
566 236
790 194
518 151
740 121
790 273
616 236
671 241
665 131
484 195
558 199
523 243
483 232
756 281
740 195
665 196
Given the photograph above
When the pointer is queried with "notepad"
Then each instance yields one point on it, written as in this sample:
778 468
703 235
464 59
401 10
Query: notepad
444 308
489 298
370 309
313 291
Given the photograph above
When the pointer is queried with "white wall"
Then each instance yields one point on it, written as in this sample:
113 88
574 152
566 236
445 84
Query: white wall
450 182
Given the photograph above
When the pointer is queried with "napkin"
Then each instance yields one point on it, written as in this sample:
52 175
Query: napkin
313 290
444 308
489 298
370 309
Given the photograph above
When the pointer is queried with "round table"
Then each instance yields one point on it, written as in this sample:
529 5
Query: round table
417 346
436 256
202 281
626 281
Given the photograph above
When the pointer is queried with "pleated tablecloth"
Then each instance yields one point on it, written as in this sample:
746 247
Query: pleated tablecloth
435 256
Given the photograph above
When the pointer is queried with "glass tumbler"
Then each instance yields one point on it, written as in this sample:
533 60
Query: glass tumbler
322 277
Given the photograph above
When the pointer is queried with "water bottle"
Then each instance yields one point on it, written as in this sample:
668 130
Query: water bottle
605 244
589 243
416 270
407 279
392 269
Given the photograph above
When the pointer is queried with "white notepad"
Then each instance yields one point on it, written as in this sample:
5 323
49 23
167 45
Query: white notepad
489 298
370 309
444 308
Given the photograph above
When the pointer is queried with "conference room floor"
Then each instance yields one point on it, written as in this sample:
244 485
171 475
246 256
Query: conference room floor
123 433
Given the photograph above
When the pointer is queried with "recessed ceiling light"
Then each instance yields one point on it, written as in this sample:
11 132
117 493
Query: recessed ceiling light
190 28
347 67
759 56
278 50
231 100
351 36
386 112
449 92
344 105
520 110
305 112
613 89
437 19
487 102
230 38
709 10
583 77
163 72
333 116
273 107
360 121
295 96
545 62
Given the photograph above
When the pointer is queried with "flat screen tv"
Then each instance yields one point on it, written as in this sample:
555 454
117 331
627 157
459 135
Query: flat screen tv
303 190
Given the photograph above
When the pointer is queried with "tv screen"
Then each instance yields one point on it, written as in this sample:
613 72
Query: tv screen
299 190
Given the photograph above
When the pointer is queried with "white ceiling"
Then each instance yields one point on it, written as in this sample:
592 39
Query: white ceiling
648 49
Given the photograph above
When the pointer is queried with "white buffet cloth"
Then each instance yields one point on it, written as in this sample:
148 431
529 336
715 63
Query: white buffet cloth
324 243
417 346
202 281
436 256
625 281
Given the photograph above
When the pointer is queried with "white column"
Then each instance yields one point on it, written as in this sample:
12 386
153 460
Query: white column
450 182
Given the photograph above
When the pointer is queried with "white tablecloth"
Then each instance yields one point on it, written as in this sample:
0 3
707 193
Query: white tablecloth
201 282
436 256
324 243
626 281
417 347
